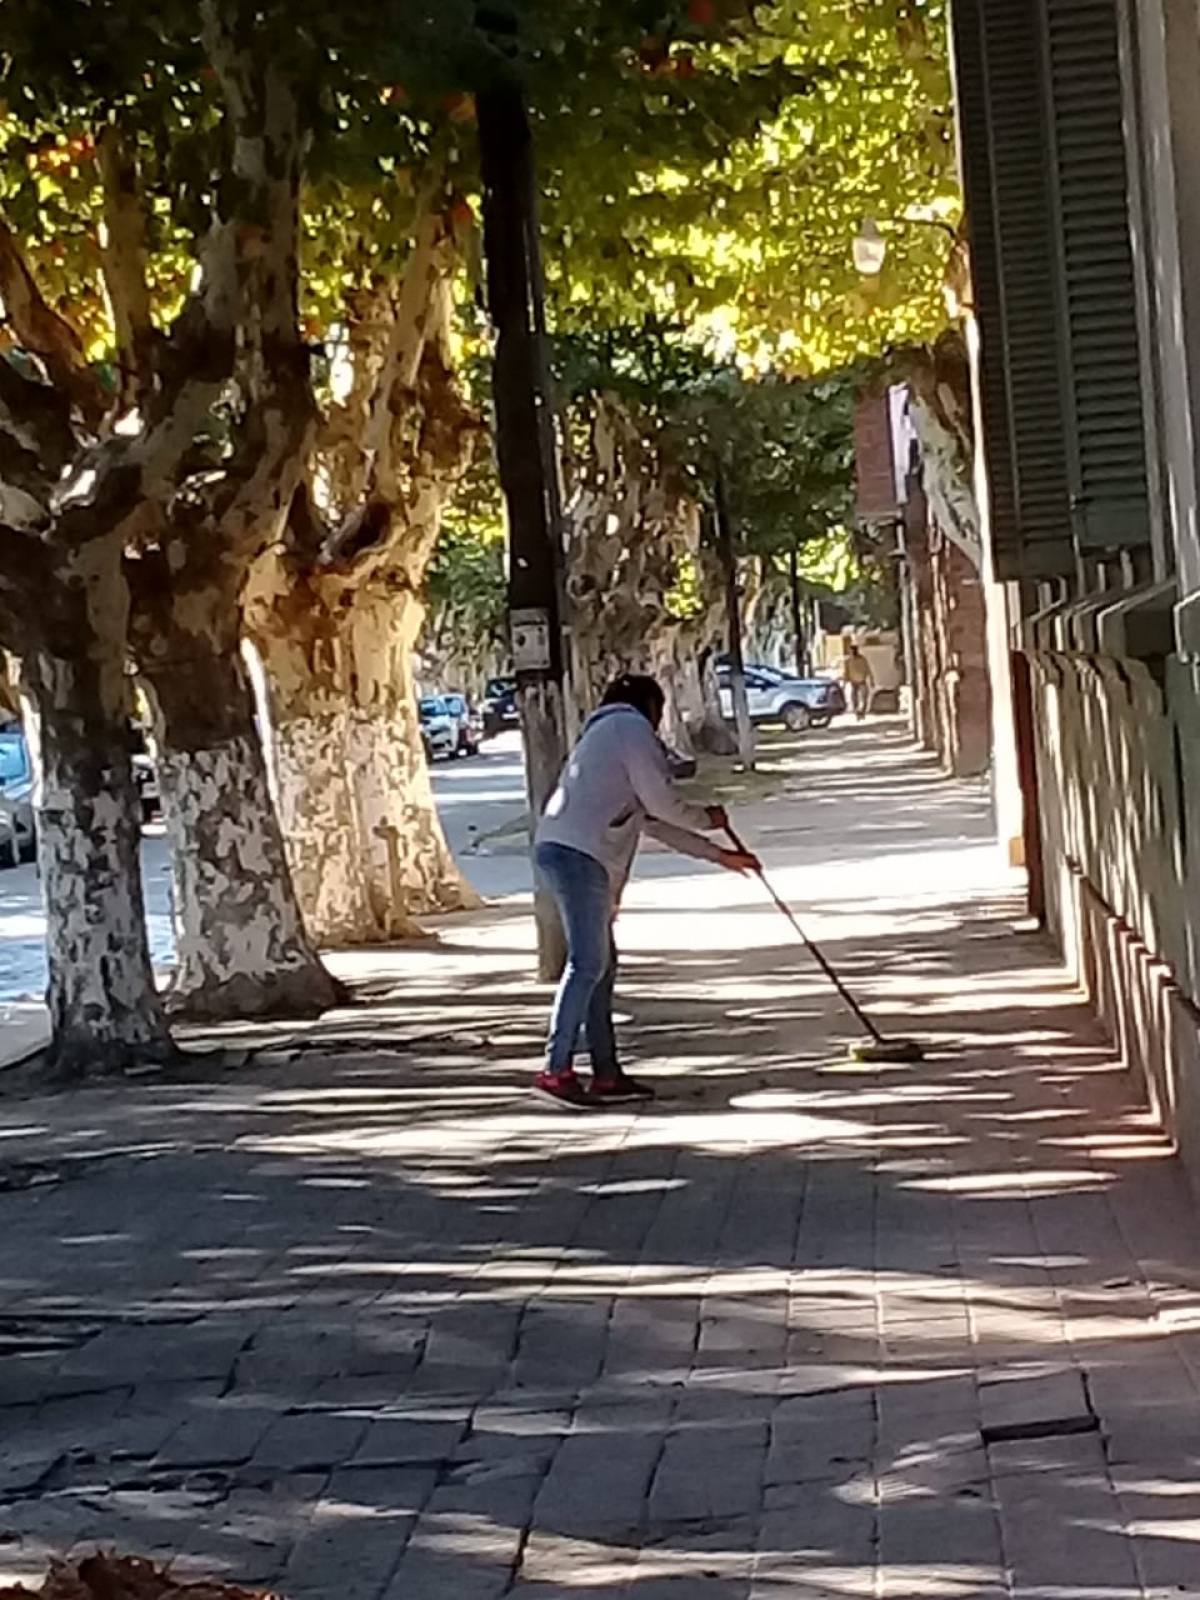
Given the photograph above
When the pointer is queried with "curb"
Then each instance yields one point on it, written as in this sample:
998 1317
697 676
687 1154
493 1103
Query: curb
24 1030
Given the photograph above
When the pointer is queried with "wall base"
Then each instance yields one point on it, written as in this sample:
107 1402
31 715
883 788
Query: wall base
1153 1025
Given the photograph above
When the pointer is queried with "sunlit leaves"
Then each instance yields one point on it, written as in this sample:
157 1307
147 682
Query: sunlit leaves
730 199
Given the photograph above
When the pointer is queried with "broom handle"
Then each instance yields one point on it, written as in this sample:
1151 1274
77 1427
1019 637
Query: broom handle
813 949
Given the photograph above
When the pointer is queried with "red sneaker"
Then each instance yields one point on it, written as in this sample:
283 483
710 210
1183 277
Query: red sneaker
564 1089
618 1090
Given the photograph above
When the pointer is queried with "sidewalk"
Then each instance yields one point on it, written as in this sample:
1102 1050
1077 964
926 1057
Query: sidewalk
367 1323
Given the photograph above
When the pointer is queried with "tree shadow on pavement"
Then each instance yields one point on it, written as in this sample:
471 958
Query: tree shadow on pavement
365 1319
376 1324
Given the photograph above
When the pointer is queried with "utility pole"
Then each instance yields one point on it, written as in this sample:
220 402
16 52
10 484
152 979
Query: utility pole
799 637
526 455
727 548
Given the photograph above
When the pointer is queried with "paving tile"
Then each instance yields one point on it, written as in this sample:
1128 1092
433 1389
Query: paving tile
396 1441
1079 1453
308 1441
1067 1532
598 1481
223 1434
1016 1405
356 1535
389 1333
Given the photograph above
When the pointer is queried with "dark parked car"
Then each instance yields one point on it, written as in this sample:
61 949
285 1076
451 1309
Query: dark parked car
500 706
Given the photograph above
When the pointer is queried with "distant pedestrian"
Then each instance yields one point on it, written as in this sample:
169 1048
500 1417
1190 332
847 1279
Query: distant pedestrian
615 786
859 679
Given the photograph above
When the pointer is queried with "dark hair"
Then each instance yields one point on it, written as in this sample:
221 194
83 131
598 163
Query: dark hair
637 690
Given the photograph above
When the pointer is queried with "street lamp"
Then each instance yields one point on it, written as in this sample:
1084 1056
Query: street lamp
870 249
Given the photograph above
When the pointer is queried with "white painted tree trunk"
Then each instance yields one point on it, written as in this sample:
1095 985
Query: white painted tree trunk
409 863
411 871
710 730
364 839
319 819
105 1011
335 616
242 947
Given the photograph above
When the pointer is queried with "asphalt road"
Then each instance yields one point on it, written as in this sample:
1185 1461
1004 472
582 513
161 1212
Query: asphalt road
476 797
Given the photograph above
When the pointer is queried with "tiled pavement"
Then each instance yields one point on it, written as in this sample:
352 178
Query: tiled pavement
367 1324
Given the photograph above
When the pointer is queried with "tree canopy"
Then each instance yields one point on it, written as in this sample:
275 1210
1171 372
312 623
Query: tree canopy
723 187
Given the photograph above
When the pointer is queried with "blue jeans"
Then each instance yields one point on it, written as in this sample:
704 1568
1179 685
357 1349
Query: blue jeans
583 892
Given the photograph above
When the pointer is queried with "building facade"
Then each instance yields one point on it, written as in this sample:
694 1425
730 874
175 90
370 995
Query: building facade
903 496
1079 126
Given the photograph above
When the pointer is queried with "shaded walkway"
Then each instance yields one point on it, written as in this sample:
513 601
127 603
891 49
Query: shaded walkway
368 1323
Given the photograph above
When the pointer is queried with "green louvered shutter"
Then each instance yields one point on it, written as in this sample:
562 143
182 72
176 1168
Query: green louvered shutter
1043 157
1097 295
974 142
1009 217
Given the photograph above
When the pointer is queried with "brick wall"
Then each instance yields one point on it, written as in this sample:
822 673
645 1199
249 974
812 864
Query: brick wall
952 692
874 464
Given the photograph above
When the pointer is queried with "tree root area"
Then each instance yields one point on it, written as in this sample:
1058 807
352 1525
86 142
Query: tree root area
113 1577
286 996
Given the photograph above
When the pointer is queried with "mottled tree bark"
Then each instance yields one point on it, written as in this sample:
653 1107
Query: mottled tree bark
366 845
104 1007
631 534
79 498
335 617
242 946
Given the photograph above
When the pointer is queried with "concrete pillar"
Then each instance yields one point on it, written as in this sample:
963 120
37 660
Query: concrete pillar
923 681
1002 611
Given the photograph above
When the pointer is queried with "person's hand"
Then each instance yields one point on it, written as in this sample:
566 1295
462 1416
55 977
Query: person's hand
743 861
718 818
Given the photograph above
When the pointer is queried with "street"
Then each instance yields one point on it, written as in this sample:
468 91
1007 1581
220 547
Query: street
23 921
482 806
475 797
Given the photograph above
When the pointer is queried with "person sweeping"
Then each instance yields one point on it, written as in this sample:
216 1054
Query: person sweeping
615 786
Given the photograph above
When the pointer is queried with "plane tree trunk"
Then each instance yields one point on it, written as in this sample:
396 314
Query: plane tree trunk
335 607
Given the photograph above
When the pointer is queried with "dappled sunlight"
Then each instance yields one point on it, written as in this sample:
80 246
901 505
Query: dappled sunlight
702 1132
1028 1181
745 1341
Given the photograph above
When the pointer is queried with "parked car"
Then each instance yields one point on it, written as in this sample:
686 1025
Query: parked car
837 693
439 732
775 697
145 776
500 706
468 724
18 831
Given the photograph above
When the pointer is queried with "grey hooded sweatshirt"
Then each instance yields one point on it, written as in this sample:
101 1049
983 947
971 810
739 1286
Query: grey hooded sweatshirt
616 785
